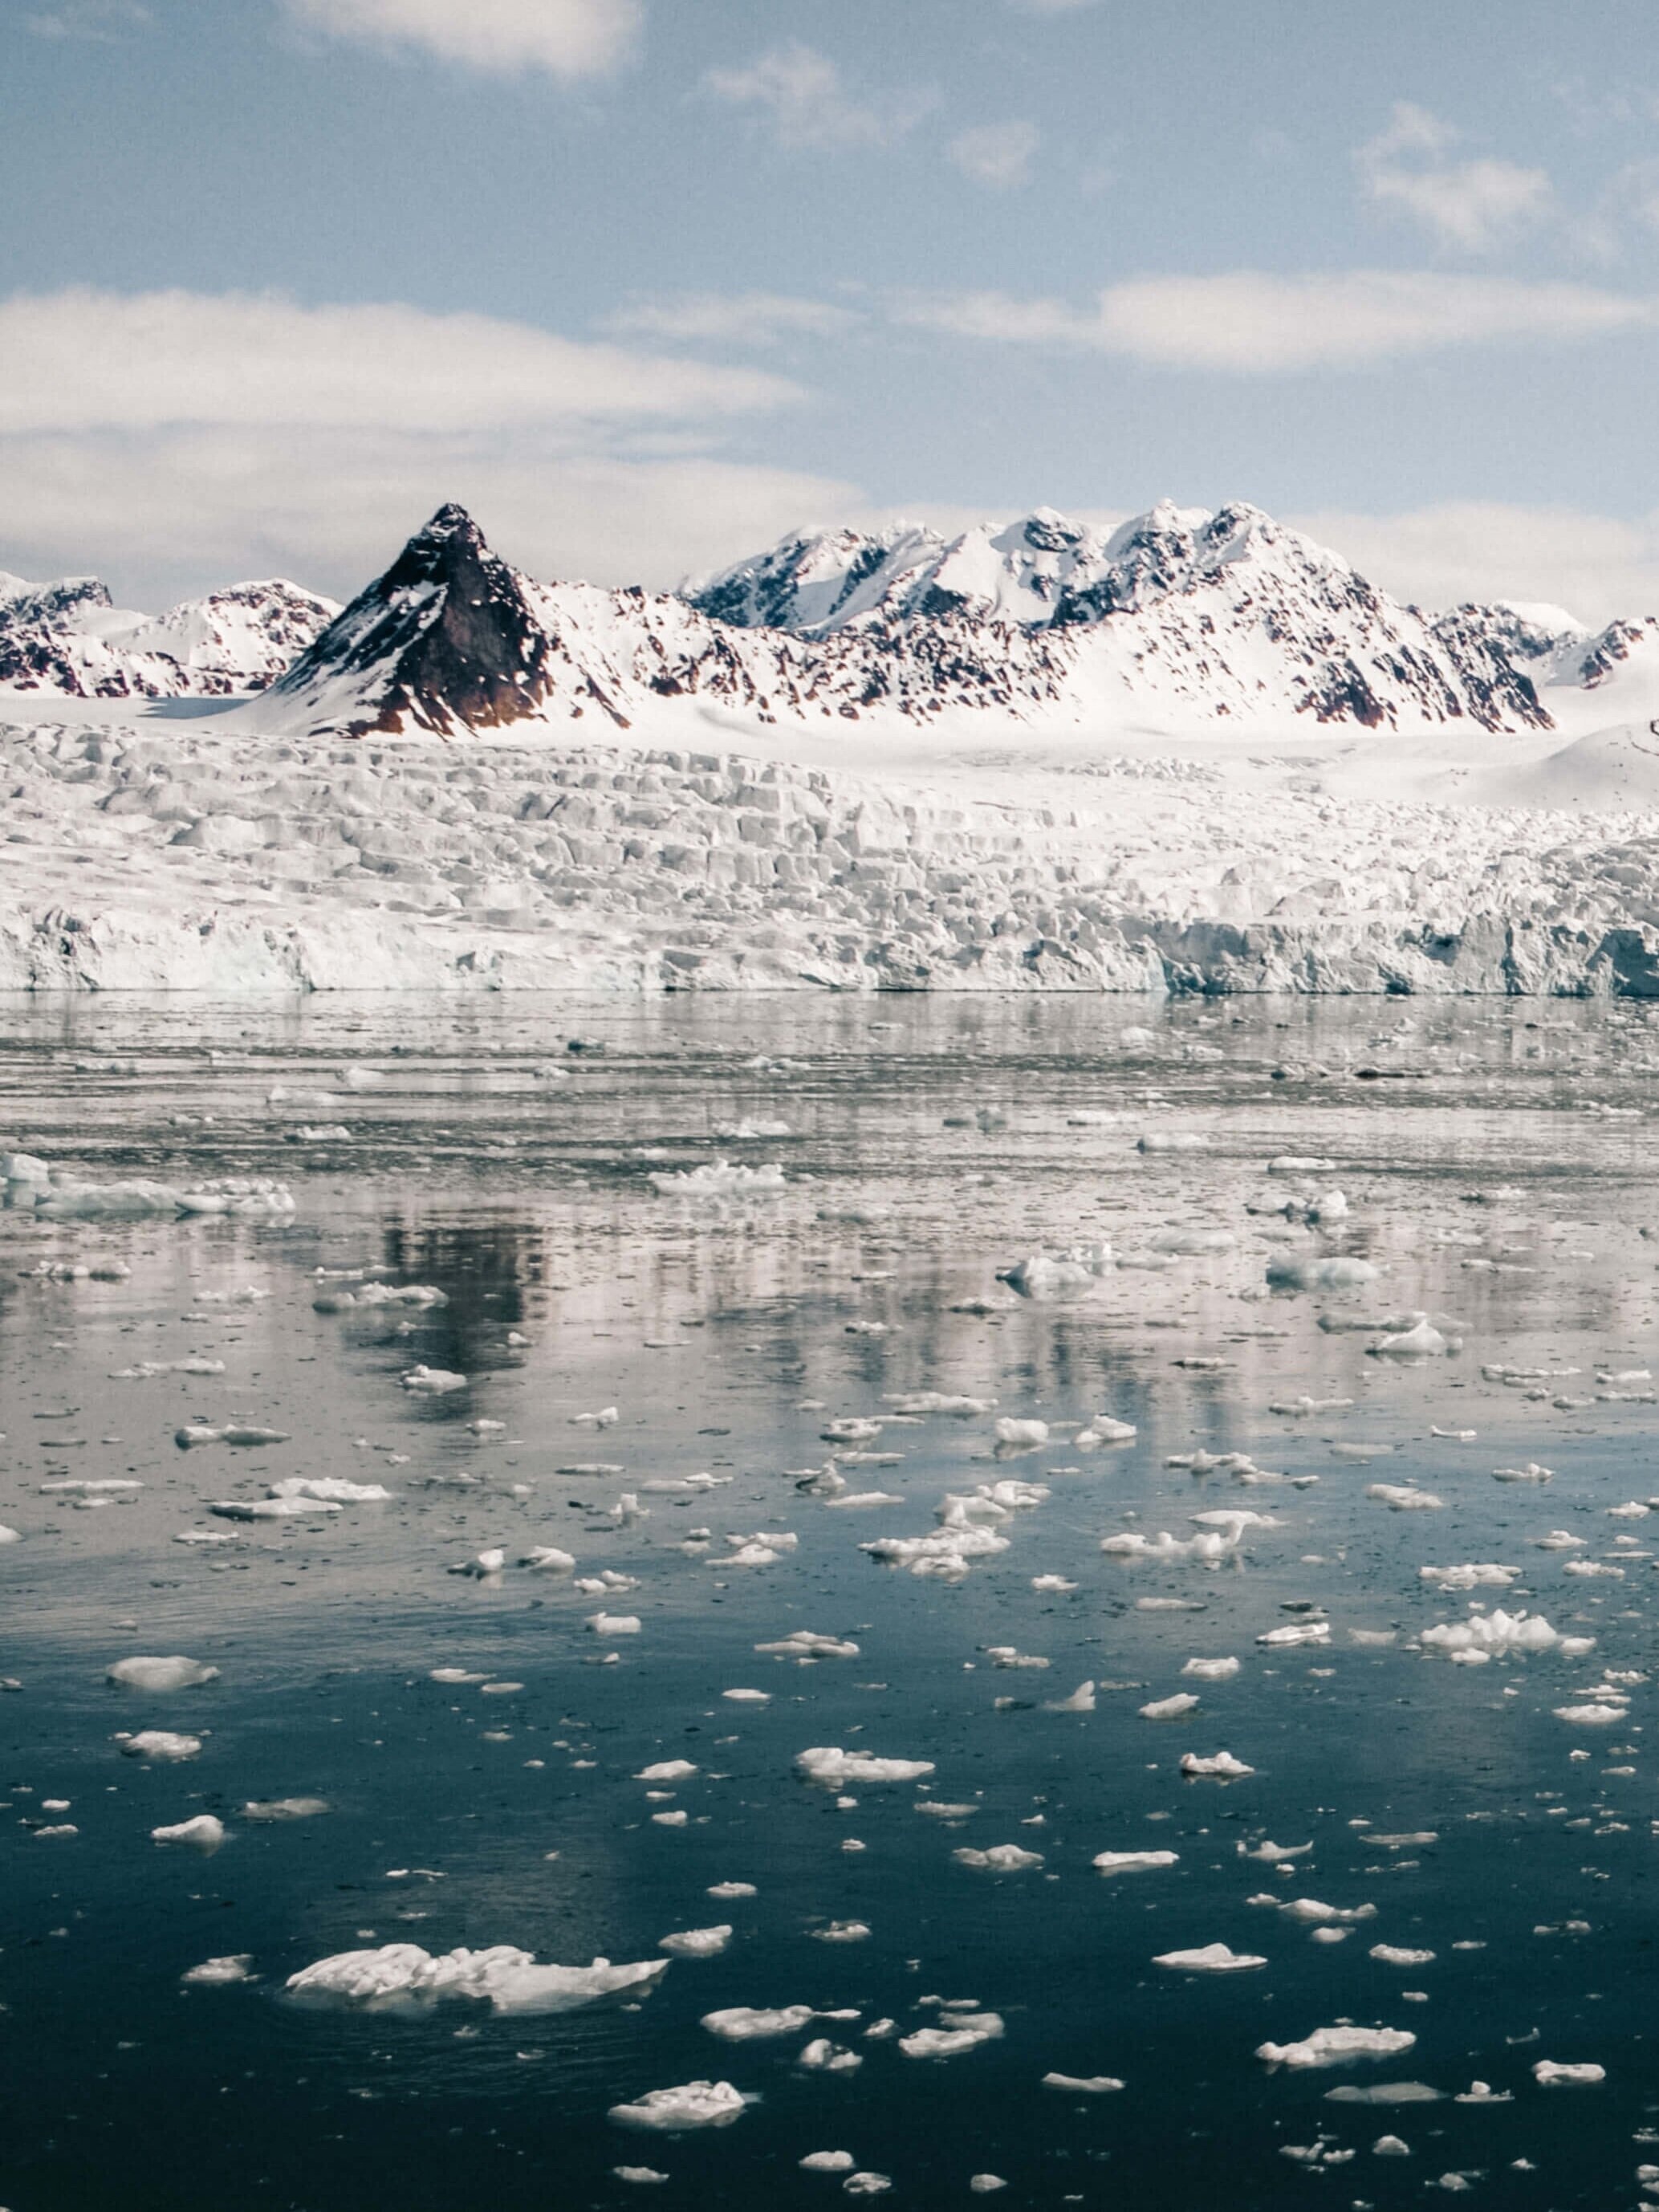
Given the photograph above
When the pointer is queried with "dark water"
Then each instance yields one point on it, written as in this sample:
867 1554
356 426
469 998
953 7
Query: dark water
929 1145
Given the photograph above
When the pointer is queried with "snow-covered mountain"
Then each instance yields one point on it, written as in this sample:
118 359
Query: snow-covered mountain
1230 613
70 637
1181 618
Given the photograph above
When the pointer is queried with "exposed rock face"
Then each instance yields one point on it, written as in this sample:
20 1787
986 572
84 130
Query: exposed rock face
446 640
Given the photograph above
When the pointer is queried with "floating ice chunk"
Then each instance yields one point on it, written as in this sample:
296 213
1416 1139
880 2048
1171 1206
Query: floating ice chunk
1560 1540
613 1623
1170 1140
1391 2147
87 1487
1482 1575
939 1809
644 2175
833 1768
271 1508
1002 1858
842 1931
372 1295
548 1559
1391 1955
1082 1701
1291 1163
147 1370
9 1536
483 1567
828 2161
1530 1473
174 1673
1422 1340
1314 1914
220 1973
331 1488
1192 1243
1059 1277
1495 1633
949 1555
1272 1853
161 1745
1212 1670
726 1890
204 1834
821 2056
510 1981
1021 1436
756 2023
1210 1959
1083 2085
241 1435
1005 1656
284 1809
1136 1862
667 1770
749 1133
1295 1632
1597 1715
1101 1428
432 1381
982 2185
866 2184
1337 2046
1552 2074
1170 1708
717 1180
1220 1767
694 2105
1332 1275
1404 1498
967 2031
913 1403
697 1942
806 1644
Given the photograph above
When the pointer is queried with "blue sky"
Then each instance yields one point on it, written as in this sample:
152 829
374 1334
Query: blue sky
648 282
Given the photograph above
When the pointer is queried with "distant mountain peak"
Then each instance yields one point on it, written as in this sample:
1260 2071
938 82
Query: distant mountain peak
447 639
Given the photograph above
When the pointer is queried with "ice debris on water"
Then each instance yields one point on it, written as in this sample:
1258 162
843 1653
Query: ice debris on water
205 1832
831 1767
164 1746
1210 1959
693 2104
400 1975
176 1672
1337 2046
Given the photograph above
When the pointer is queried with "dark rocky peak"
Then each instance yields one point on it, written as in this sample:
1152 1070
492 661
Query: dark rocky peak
447 639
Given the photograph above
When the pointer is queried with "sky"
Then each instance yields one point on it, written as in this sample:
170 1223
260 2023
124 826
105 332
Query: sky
647 283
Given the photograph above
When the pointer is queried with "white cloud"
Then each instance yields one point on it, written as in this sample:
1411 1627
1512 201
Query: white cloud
1470 207
997 153
802 92
170 513
739 318
566 38
82 360
1597 565
1251 322
184 438
101 20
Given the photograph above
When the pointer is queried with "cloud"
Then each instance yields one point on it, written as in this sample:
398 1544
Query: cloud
101 20
801 92
1470 207
567 38
1597 565
1251 322
737 319
997 153
166 515
185 438
82 360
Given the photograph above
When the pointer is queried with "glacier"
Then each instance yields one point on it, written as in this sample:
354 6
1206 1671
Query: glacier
1198 753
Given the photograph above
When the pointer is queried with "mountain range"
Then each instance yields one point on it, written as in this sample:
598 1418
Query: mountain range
1224 619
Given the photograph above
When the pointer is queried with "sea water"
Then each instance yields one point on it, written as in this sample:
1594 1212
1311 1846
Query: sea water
1335 1265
